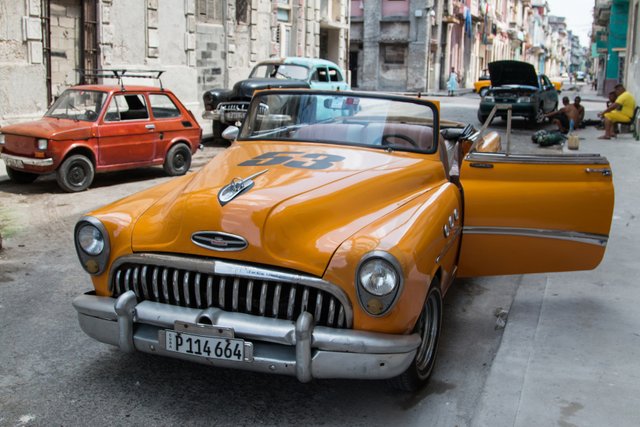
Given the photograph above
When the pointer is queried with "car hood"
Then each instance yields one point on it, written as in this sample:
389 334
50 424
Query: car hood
512 73
244 88
51 128
293 217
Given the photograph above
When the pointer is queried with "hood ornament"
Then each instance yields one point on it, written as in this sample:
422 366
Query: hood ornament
236 187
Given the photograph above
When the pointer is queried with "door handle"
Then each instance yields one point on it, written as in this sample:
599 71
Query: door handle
150 127
603 171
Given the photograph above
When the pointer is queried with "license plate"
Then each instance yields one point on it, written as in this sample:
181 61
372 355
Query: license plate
14 163
218 343
232 116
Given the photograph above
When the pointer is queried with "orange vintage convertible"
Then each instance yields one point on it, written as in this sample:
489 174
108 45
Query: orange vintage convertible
321 243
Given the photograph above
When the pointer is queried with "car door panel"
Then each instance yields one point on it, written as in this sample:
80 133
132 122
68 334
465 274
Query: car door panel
531 214
126 137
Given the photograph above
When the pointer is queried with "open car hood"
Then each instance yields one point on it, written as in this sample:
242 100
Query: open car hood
512 73
293 216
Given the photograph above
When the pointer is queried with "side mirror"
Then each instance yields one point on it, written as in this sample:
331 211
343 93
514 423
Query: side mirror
230 133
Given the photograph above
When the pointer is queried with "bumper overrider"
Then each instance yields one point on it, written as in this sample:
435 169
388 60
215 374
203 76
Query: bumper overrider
297 348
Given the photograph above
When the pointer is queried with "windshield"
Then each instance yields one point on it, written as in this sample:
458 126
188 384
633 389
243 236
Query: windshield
348 118
280 71
76 104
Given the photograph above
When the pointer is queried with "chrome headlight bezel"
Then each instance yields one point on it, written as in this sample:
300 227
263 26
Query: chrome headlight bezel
42 144
378 304
94 263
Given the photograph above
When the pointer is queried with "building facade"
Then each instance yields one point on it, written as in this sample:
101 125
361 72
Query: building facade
632 65
609 34
393 47
46 44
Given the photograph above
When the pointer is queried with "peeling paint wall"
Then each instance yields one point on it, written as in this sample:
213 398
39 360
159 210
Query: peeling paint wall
23 93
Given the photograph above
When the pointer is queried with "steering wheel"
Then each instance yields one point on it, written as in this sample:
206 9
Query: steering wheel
90 114
385 140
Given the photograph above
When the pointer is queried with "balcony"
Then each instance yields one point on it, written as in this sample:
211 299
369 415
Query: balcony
332 15
602 12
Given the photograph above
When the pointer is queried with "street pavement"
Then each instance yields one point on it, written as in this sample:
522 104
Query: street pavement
569 354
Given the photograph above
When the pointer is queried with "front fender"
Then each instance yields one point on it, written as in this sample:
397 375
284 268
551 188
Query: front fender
414 235
120 217
213 97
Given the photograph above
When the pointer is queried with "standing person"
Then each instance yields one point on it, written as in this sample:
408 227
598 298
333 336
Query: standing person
578 106
452 83
621 111
563 117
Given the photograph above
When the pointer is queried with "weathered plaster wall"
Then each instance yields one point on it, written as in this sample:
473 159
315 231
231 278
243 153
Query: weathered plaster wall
23 94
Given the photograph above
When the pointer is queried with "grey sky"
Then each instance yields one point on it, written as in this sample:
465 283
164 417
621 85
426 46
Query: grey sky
579 14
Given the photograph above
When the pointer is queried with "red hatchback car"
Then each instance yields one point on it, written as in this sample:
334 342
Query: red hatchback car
95 128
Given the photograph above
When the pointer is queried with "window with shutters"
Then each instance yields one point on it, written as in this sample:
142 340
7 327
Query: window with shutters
209 11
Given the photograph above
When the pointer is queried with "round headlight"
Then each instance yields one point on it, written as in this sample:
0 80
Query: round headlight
90 239
378 277
42 144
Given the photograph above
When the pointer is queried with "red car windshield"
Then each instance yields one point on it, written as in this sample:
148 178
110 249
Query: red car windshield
76 104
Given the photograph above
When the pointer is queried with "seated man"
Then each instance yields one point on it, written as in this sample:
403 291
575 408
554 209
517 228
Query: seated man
563 117
621 111
577 104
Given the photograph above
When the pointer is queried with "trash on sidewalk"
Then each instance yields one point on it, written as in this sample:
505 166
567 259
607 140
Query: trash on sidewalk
573 142
501 317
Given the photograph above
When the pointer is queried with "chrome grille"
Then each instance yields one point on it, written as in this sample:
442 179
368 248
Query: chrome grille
187 287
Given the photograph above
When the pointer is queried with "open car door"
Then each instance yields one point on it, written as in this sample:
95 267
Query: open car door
534 213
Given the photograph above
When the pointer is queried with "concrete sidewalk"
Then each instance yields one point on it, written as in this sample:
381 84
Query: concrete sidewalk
570 353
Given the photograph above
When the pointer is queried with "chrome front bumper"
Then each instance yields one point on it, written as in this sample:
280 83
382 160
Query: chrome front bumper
279 346
29 161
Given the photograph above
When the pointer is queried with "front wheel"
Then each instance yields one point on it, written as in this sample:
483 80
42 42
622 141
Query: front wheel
178 160
218 128
482 118
428 327
21 177
75 173
538 117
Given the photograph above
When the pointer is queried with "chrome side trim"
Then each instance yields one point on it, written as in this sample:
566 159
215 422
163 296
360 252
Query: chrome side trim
28 160
224 268
572 159
574 236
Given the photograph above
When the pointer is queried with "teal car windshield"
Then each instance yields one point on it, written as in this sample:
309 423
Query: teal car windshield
280 71
383 122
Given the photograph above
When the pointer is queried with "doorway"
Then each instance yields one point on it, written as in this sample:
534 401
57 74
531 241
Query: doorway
70 43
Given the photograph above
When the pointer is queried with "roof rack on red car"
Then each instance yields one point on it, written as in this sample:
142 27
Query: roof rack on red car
122 72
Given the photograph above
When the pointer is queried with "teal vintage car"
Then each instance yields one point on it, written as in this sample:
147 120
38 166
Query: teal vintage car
229 106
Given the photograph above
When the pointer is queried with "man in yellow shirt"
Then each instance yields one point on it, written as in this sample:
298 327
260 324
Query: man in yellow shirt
620 111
